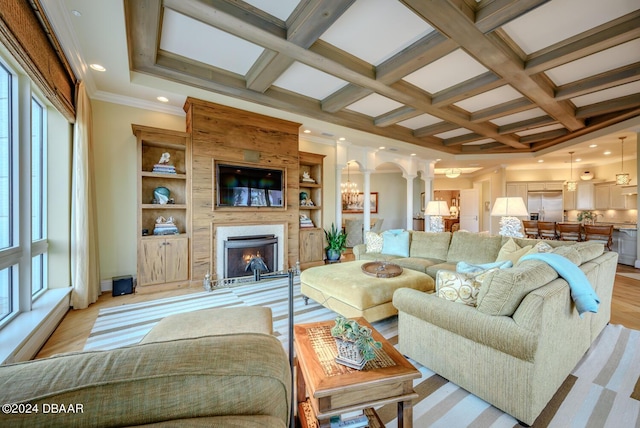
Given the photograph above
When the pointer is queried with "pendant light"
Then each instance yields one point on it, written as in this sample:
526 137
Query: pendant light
571 185
622 178
453 173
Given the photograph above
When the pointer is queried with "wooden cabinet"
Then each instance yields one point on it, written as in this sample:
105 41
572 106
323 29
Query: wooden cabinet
163 258
311 248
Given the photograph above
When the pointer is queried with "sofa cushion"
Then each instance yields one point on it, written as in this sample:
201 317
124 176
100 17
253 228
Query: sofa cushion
417 263
502 292
473 247
512 252
395 242
589 250
430 245
373 241
460 287
379 257
570 253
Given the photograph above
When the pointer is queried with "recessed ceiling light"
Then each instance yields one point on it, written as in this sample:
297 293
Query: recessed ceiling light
592 146
578 159
307 131
607 153
382 147
97 67
341 139
540 160
76 12
413 154
163 99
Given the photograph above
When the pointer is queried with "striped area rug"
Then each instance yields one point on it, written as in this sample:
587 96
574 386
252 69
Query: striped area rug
602 391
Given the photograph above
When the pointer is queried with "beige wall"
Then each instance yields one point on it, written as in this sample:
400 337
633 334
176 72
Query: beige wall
115 163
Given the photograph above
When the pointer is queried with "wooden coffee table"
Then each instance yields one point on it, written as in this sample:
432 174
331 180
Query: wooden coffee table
333 388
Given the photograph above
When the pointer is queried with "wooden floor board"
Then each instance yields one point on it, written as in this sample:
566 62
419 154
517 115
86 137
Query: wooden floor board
73 331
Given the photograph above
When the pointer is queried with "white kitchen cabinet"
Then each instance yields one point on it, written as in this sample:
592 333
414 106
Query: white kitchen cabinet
617 200
517 189
568 199
551 185
585 196
602 196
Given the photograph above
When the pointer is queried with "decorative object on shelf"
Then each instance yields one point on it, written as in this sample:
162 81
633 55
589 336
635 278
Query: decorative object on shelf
622 178
336 242
306 221
435 210
586 217
161 195
453 173
586 176
307 178
355 343
571 185
349 191
303 196
453 211
509 209
306 203
382 269
163 165
165 226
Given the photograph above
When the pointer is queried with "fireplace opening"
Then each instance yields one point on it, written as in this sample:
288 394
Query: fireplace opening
244 254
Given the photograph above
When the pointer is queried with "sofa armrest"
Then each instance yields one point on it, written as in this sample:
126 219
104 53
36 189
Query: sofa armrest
499 332
359 250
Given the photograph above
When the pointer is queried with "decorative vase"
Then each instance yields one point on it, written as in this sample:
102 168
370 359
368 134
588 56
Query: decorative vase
349 354
333 255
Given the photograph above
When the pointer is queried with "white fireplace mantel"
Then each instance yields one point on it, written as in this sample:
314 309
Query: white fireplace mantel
223 231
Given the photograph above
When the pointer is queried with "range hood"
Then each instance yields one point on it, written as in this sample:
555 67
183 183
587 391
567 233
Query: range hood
630 190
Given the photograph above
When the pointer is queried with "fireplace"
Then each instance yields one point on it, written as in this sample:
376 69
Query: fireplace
244 254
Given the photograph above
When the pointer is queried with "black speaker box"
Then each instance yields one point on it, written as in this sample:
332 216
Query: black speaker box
122 285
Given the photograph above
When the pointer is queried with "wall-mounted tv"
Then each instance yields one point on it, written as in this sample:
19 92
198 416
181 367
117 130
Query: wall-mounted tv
244 186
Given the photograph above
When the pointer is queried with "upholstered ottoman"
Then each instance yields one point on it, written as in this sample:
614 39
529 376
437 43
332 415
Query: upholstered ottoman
212 322
345 289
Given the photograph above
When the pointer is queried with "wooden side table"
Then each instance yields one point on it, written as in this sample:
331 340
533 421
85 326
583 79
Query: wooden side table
334 389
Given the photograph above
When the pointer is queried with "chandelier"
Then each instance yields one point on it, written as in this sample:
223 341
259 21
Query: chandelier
622 178
571 185
349 191
452 173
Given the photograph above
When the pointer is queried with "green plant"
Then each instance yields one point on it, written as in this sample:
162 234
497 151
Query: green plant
351 331
586 215
336 239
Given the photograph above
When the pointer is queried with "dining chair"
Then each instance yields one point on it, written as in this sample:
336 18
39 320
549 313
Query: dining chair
599 233
353 229
530 228
569 231
547 229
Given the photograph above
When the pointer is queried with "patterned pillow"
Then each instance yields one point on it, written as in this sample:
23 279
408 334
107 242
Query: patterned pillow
460 287
541 247
373 242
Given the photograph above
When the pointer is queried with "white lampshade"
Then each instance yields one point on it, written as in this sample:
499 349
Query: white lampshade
437 208
510 207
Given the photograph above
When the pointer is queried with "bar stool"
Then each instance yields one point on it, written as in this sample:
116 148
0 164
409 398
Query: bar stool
547 229
530 228
569 231
600 233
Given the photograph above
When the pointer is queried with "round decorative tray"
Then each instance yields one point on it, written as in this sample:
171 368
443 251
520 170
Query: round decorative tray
382 269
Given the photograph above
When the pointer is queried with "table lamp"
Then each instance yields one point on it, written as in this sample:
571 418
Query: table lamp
509 209
435 210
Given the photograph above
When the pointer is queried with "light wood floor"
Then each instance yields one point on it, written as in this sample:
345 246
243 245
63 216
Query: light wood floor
74 329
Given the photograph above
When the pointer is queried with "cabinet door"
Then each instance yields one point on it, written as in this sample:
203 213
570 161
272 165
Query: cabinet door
602 197
584 196
569 199
311 245
176 259
553 186
151 262
618 200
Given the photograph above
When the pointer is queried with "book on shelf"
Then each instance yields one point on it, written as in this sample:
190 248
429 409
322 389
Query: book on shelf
353 422
352 414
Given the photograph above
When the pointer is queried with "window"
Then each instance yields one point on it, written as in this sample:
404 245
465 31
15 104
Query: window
38 197
7 269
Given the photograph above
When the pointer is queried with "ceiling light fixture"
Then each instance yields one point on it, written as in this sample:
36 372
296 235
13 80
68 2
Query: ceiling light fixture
571 185
349 191
97 67
163 99
453 173
622 178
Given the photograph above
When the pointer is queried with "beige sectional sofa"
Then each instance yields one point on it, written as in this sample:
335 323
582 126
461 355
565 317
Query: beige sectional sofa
214 368
523 337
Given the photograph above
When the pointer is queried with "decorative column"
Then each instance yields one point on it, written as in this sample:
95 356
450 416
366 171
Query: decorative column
339 168
409 178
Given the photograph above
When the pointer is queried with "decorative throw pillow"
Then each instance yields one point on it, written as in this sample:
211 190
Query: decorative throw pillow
460 287
373 241
541 247
395 242
512 251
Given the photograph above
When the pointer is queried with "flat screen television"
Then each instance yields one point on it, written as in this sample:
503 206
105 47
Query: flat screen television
244 186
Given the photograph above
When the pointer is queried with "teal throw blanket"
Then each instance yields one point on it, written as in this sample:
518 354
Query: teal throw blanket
582 293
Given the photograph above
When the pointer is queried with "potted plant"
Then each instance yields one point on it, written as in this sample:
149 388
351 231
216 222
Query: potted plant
587 217
336 242
355 343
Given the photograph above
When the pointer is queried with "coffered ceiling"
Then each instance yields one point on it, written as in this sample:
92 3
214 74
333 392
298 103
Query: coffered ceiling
457 76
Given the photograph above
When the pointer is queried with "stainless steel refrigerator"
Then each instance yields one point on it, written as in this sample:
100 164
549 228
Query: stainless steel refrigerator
547 203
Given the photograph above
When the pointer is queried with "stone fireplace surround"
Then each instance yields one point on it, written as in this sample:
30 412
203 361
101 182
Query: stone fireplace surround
224 231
